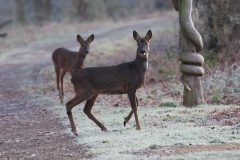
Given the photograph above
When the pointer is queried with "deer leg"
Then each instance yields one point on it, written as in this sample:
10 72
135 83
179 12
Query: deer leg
126 119
87 110
70 104
57 70
61 80
132 99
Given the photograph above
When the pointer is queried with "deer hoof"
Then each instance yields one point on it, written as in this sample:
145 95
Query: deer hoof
138 128
125 122
75 132
104 129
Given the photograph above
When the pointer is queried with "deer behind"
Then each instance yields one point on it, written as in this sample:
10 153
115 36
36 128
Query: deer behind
124 78
65 61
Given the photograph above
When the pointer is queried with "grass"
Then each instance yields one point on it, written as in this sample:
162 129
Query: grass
168 103
170 125
161 127
207 155
222 85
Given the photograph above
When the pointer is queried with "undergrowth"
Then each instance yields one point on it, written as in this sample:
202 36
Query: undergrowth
223 85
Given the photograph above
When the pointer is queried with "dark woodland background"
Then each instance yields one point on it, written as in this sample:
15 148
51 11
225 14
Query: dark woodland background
218 21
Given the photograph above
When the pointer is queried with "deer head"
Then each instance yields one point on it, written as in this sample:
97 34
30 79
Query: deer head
142 43
85 44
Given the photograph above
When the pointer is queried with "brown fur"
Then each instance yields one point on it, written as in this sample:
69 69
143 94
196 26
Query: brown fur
124 78
67 61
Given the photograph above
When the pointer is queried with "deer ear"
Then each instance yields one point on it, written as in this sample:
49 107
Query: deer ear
90 38
79 39
148 35
136 36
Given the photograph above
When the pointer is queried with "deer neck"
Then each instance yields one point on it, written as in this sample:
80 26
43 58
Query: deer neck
81 55
142 63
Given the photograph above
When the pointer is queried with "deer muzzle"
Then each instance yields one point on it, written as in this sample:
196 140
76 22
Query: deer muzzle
143 53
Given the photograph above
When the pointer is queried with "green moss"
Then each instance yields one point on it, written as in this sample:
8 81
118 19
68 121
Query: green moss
215 99
168 103
154 146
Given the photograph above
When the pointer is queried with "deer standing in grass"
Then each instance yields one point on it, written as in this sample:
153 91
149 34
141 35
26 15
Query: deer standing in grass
124 78
67 61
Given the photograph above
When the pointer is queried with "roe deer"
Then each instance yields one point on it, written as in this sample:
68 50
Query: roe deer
124 78
67 61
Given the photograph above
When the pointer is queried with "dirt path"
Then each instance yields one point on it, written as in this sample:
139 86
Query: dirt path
29 130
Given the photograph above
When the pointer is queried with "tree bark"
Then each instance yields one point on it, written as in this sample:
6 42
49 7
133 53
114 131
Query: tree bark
190 44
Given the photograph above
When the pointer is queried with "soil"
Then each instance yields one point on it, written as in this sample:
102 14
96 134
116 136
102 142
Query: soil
28 129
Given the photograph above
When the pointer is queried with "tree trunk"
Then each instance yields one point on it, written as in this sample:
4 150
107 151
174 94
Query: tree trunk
20 11
191 66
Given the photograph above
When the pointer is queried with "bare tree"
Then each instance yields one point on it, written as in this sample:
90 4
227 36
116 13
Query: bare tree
20 11
42 9
81 7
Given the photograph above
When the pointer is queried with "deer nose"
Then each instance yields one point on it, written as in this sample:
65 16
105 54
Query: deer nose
142 51
87 52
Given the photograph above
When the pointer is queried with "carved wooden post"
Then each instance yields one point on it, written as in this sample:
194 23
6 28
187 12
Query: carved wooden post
189 46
